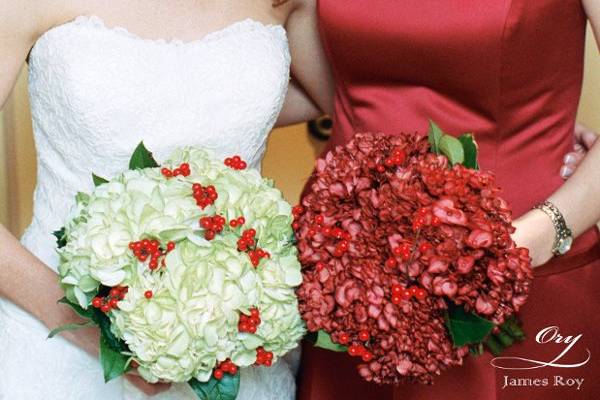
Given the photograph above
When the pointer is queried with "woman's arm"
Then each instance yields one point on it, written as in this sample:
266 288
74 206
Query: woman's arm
311 93
577 199
24 279
298 107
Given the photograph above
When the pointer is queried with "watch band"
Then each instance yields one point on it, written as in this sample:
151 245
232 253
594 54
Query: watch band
564 235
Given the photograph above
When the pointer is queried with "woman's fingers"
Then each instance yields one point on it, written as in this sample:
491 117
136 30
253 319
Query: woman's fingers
584 140
573 158
566 171
570 162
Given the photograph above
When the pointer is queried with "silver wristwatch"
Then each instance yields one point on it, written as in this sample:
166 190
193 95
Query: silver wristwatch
564 235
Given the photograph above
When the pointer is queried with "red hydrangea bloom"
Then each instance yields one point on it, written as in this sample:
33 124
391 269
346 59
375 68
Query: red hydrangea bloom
385 215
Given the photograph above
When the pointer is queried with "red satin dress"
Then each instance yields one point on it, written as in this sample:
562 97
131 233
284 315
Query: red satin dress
511 73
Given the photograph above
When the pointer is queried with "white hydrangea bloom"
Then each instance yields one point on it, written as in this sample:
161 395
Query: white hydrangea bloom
191 321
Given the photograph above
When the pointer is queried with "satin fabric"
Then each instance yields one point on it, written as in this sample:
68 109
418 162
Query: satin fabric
511 73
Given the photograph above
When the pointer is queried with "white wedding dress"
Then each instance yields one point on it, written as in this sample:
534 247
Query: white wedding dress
96 92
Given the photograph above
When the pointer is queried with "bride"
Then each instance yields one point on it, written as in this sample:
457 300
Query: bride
218 79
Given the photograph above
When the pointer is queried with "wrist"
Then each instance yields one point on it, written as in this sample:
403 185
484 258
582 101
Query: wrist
563 235
535 231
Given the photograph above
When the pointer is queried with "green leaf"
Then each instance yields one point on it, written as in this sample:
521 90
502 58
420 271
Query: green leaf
493 345
82 312
512 328
435 135
225 389
467 328
452 148
114 363
61 239
142 158
98 180
504 339
470 149
103 322
323 340
69 327
510 331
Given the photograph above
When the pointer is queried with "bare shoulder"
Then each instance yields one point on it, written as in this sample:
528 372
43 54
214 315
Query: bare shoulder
26 20
23 21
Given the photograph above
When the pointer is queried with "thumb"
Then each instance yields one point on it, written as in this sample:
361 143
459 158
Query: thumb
584 136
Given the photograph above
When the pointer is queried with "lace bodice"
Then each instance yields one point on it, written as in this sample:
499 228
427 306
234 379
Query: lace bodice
95 93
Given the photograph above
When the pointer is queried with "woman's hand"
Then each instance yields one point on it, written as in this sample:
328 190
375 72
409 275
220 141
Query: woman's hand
584 140
535 231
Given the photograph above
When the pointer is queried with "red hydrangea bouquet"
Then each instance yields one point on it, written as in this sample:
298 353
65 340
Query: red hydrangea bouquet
407 257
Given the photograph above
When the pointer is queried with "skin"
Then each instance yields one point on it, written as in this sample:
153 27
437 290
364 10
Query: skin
584 140
24 279
577 198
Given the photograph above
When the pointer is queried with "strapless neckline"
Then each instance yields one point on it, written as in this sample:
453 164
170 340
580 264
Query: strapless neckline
96 22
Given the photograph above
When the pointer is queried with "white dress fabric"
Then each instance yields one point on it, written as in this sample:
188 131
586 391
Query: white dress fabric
95 93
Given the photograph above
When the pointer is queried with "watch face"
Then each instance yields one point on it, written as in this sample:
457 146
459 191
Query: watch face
565 245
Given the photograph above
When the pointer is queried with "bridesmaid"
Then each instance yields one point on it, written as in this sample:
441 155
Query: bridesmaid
511 72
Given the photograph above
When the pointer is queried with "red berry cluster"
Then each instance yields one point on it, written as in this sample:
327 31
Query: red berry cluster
224 367
204 196
319 227
406 251
424 217
297 212
264 357
257 255
247 243
183 170
212 226
400 293
235 162
110 302
249 324
363 335
396 159
247 240
358 350
146 248
337 233
234 223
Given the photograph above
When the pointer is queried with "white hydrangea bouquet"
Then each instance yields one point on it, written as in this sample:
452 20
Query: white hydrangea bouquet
189 270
